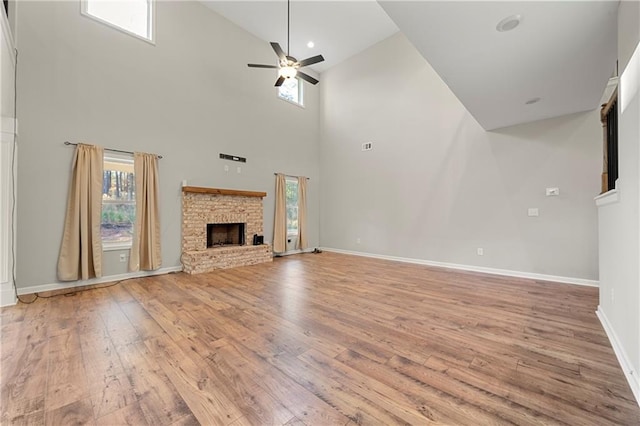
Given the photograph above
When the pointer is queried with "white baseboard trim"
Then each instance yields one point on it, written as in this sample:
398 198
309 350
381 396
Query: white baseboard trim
483 269
7 295
93 281
625 364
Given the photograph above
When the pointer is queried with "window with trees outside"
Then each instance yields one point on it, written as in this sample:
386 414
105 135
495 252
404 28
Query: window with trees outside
291 190
118 202
131 16
291 90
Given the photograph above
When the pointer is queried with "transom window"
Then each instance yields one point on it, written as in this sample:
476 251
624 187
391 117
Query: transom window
118 202
291 90
131 16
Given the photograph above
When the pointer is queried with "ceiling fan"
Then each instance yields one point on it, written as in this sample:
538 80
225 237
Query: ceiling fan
288 66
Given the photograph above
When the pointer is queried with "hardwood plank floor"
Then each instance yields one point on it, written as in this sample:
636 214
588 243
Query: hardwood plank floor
314 339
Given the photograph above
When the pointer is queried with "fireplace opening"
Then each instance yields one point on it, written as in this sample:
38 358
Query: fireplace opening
225 234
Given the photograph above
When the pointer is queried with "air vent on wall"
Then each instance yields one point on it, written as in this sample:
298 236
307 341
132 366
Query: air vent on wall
233 158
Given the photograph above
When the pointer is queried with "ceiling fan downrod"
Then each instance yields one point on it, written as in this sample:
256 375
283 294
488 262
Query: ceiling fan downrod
288 24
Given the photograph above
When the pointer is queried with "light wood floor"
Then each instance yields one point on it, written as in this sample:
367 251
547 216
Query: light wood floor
314 339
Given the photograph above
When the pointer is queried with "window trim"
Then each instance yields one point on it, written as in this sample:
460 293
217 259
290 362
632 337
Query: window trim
300 94
609 197
151 22
113 246
116 246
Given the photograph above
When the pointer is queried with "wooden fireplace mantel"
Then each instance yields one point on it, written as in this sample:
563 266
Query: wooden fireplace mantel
219 191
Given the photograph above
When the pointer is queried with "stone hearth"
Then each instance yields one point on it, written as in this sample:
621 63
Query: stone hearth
202 206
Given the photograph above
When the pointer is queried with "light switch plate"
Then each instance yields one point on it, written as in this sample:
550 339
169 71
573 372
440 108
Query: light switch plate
533 212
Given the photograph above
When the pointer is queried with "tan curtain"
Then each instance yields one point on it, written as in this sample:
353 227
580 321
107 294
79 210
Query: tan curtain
145 250
280 221
302 213
81 249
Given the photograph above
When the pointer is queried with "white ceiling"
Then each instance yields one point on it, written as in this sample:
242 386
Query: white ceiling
339 29
562 52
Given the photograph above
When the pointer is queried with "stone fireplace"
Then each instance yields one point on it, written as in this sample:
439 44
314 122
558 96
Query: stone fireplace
218 226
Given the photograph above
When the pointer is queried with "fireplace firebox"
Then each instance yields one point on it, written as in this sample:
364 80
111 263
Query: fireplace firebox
225 234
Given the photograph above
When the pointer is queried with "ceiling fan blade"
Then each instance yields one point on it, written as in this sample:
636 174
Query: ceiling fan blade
279 51
261 66
279 81
311 61
307 77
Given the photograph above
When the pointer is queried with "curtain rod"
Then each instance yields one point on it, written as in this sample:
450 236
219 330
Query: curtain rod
292 176
110 149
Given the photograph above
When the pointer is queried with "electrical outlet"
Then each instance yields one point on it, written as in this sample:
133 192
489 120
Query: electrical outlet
123 257
358 240
553 192
226 168
239 169
480 251
533 212
367 146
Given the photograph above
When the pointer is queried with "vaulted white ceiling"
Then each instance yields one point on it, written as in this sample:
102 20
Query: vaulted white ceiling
563 52
339 29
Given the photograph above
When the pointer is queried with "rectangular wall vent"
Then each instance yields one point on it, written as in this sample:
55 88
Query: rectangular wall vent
367 146
233 158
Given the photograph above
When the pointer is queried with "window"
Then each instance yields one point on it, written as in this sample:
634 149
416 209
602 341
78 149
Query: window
118 202
291 90
292 206
609 118
132 16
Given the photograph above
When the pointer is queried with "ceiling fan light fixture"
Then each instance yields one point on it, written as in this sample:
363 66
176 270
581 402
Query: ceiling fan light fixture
288 65
287 72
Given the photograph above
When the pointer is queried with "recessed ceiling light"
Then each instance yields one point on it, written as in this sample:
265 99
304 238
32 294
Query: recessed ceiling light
310 44
532 101
508 23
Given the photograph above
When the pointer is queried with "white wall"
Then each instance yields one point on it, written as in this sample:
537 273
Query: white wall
7 66
7 151
188 98
619 222
436 186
